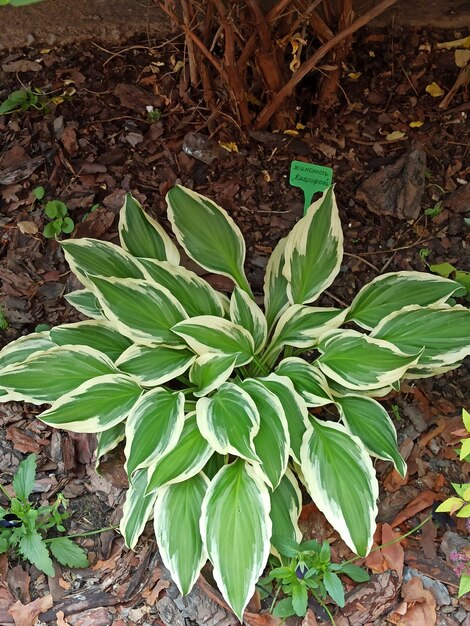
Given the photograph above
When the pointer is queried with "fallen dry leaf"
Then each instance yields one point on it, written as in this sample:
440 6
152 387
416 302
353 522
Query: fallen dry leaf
462 57
310 619
421 605
393 554
397 134
456 43
421 502
434 90
61 621
27 228
27 614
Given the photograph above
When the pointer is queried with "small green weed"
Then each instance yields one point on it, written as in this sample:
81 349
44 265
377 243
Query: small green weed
61 222
24 100
435 210
3 321
460 505
58 213
23 527
306 568
447 270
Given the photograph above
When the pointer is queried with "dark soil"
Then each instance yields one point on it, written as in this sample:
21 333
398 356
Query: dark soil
97 142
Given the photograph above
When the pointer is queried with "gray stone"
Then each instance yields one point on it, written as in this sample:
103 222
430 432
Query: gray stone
453 542
438 589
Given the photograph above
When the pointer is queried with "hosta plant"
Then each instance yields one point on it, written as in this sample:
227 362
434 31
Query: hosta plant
214 395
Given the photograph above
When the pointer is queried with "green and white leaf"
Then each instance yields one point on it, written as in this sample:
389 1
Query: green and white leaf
341 481
275 285
23 347
143 236
97 334
139 309
308 380
108 440
246 313
209 334
155 365
360 362
137 509
286 506
33 549
295 409
314 251
272 442
92 257
208 234
442 331
229 421
96 405
85 302
302 326
236 531
396 290
177 517
195 294
368 420
210 370
184 461
153 427
67 552
46 376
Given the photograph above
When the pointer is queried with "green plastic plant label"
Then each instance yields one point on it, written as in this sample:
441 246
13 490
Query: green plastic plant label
310 178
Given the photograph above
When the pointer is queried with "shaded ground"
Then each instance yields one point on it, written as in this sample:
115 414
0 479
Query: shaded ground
98 143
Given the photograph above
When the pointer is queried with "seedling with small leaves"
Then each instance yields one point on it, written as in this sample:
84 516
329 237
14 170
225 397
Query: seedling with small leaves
23 100
24 527
61 222
306 568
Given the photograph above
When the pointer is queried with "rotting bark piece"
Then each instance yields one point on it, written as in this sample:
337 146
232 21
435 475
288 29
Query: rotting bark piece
370 600
397 189
459 200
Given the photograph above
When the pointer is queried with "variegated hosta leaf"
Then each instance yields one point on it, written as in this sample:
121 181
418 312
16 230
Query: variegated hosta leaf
210 370
46 376
23 347
139 309
176 518
208 234
275 285
108 440
301 326
214 465
393 291
209 334
155 365
85 302
314 250
286 506
246 313
309 382
184 461
295 409
195 294
96 405
272 443
143 236
368 420
340 478
236 529
137 509
443 331
153 427
93 257
98 334
229 421
359 362
426 372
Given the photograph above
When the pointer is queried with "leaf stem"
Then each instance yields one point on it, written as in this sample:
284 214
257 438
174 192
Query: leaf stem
4 491
396 540
87 534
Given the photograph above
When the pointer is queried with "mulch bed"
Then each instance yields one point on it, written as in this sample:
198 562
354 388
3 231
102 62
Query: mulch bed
95 144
